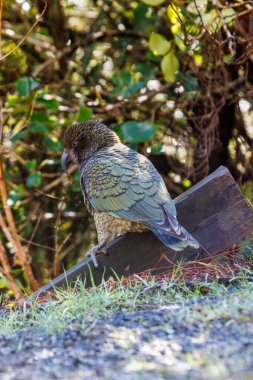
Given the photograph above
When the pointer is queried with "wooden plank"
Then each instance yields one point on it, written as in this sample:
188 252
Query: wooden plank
213 211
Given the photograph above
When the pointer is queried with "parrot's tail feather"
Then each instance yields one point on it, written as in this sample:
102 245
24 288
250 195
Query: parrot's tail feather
177 243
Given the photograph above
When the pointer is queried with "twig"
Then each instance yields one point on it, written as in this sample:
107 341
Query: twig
1 104
65 241
47 195
56 248
27 34
17 246
31 40
7 272
58 180
37 244
6 231
83 238
1 12
1 121
83 43
12 234
34 231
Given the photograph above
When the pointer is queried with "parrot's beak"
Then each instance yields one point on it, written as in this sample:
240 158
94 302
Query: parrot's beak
65 161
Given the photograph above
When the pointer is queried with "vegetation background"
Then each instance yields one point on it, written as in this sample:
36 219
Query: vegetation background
172 78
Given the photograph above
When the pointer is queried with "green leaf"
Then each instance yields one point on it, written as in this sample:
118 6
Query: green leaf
18 193
153 3
137 132
49 104
158 44
170 66
189 82
126 78
117 91
227 58
85 113
140 21
40 122
25 84
52 143
135 87
147 71
157 149
34 179
18 136
12 100
31 164
4 283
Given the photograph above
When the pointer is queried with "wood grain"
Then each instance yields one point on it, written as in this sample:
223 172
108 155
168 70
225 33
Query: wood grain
213 211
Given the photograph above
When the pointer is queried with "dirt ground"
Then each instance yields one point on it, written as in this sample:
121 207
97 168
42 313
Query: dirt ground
144 344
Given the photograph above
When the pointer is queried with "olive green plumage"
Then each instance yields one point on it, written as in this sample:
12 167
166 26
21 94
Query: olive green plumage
122 183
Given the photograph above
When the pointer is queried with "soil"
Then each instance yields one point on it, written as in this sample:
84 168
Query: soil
144 344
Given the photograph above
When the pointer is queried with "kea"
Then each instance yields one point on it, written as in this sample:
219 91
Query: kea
122 189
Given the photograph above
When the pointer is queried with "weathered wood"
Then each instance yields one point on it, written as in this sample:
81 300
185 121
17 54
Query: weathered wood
213 211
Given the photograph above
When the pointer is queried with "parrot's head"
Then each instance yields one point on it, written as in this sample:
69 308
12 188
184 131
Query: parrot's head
84 139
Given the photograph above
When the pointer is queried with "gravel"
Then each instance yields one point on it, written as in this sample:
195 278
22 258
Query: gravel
145 344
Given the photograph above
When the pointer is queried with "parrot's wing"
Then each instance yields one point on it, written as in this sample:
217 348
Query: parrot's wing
126 185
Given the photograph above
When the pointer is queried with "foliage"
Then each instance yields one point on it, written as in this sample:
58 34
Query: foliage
173 79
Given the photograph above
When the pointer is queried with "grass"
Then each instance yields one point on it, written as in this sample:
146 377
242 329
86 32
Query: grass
87 305
199 347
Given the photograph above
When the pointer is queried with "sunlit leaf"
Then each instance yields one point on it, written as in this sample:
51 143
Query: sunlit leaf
137 132
186 182
197 6
158 44
153 2
179 39
228 15
211 21
170 66
198 59
174 13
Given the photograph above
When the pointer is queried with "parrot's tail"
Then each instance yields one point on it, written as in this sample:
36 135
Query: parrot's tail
177 243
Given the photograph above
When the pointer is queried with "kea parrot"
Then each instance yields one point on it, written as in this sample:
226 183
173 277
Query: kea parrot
122 189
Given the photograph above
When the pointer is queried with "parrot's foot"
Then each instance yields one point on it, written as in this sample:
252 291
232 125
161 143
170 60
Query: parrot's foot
92 253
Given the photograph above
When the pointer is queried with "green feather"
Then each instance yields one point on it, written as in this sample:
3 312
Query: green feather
125 184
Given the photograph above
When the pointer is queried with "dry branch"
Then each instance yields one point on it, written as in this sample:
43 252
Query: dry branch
26 36
24 258
6 270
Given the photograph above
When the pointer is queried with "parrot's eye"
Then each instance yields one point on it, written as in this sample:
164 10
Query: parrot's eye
74 144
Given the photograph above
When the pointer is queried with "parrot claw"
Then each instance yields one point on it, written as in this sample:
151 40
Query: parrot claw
94 251
92 254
